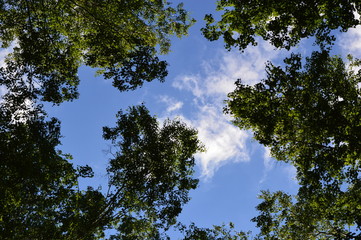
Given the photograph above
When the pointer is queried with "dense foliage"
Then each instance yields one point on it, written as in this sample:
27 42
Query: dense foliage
307 112
315 126
151 173
281 22
120 38
150 177
223 232
39 195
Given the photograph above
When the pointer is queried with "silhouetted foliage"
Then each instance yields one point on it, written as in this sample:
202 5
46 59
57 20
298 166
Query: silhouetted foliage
282 22
149 182
216 233
151 172
150 177
310 117
39 198
120 38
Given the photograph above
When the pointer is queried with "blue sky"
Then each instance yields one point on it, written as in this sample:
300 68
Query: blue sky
235 168
201 73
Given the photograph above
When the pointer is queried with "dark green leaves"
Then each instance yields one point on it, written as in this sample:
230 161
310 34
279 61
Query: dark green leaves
318 217
150 175
139 67
120 38
223 232
307 113
310 117
151 170
35 178
282 22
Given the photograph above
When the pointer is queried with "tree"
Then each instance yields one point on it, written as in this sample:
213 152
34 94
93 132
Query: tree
307 115
151 173
315 126
282 22
283 217
39 198
150 177
216 233
119 38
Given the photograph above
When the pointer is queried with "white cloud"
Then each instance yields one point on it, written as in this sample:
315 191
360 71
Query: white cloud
291 172
172 103
268 163
267 159
219 74
190 83
3 54
224 142
3 91
350 42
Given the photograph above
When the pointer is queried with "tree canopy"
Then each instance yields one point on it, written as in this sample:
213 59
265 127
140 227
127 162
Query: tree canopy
151 173
149 179
38 183
315 121
120 38
281 22
306 111
315 114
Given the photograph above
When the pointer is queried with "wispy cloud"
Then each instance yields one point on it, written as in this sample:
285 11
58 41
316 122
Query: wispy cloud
190 83
3 54
291 172
172 104
224 142
217 75
268 163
